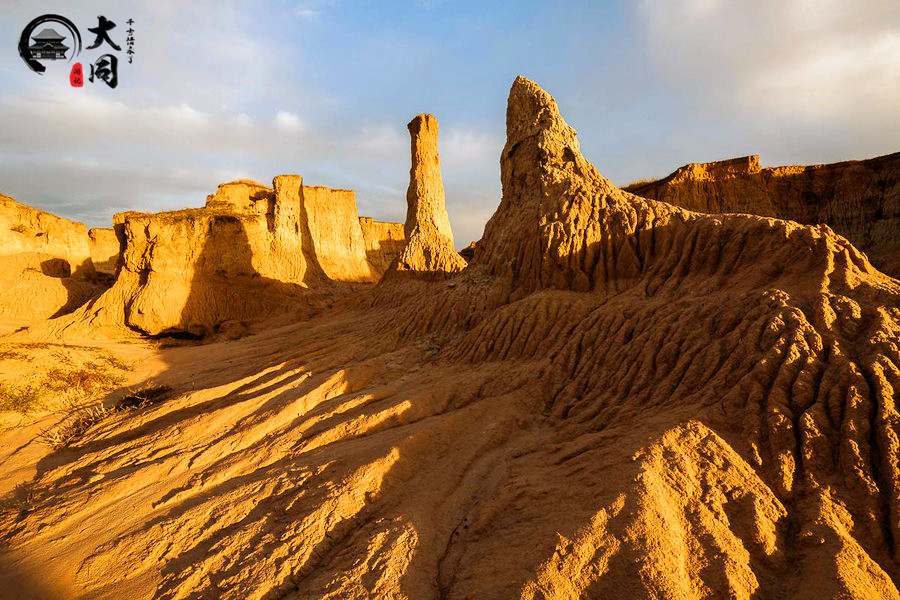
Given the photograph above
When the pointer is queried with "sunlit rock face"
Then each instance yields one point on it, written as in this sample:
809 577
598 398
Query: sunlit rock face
45 263
251 252
617 398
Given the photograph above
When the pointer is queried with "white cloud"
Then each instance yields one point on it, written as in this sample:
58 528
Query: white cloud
796 59
288 121
382 140
859 75
182 114
242 120
307 13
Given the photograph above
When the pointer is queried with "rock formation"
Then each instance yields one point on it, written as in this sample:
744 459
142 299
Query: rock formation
384 242
429 248
618 397
27 230
250 253
45 263
105 250
335 237
859 199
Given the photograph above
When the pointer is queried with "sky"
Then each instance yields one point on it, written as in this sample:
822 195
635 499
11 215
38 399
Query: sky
223 90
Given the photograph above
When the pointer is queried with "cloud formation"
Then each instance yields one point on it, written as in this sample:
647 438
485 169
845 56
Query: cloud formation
816 62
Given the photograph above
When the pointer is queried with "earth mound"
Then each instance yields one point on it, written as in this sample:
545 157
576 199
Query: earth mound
859 199
616 398
44 259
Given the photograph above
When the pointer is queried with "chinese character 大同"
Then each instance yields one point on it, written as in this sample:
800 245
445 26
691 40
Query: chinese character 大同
104 26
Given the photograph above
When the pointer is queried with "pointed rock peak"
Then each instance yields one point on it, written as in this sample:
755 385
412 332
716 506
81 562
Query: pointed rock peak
530 110
552 196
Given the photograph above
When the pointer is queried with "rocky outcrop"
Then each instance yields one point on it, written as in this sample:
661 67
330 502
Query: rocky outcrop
105 250
243 196
859 199
425 195
45 263
429 247
250 253
384 242
468 253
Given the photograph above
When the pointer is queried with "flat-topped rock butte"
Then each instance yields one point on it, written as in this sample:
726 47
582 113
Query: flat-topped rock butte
616 397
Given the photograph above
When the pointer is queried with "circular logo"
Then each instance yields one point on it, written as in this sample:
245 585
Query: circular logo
40 41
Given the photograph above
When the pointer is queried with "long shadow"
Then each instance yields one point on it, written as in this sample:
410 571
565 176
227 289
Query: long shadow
80 286
226 287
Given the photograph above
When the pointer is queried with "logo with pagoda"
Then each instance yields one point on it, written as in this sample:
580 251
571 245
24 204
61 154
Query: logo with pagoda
48 45
49 38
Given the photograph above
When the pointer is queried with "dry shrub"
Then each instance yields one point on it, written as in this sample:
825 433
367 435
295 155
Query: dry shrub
75 429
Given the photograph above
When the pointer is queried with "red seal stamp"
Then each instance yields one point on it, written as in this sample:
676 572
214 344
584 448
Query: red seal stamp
76 78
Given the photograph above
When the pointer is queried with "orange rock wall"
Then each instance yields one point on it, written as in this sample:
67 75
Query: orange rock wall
858 199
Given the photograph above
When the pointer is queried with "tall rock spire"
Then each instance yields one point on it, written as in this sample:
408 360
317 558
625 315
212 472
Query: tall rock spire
429 248
425 195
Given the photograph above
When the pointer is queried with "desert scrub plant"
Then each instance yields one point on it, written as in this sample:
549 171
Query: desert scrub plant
116 363
90 379
12 507
75 429
66 375
9 353
19 399
143 397
85 419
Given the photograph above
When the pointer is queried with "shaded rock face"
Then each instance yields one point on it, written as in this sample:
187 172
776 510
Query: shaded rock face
45 263
858 199
335 237
250 253
468 253
429 247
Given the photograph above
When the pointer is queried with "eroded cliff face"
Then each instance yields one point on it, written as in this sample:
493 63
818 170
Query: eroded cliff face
618 397
858 199
384 242
252 252
45 263
105 250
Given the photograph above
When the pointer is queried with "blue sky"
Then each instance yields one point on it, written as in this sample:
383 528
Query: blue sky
222 90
